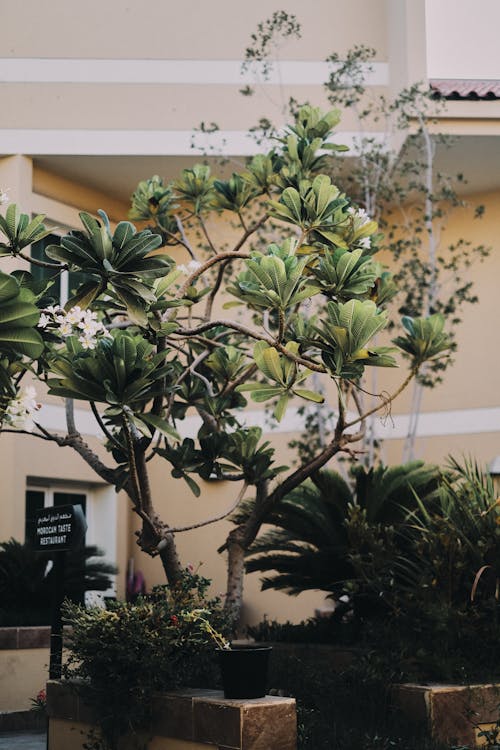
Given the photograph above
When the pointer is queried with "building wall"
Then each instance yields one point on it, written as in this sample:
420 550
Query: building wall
459 42
141 90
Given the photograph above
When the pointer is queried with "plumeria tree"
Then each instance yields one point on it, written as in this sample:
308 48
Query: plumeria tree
396 177
143 341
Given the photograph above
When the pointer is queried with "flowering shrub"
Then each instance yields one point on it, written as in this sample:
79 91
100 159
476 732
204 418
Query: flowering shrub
312 298
129 651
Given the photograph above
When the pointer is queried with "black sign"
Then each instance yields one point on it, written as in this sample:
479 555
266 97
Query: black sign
59 528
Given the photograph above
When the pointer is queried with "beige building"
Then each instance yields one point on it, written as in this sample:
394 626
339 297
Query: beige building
98 95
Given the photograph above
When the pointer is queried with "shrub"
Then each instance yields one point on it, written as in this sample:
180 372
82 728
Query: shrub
126 653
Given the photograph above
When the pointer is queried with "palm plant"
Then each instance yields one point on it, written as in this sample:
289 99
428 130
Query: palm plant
328 533
26 584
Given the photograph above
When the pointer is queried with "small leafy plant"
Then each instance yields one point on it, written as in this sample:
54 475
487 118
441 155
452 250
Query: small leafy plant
39 702
122 655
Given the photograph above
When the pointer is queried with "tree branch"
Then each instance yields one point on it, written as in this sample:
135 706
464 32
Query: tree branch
69 408
386 400
185 241
250 231
207 236
52 438
204 266
41 263
235 326
103 427
214 519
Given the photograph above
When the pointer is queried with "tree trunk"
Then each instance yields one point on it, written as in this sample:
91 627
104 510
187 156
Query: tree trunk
235 576
170 560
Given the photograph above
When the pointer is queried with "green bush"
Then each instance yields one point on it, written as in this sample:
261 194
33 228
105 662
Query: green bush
339 536
126 653
410 614
346 710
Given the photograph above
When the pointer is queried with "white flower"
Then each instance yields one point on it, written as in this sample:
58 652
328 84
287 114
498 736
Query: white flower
366 243
54 310
87 342
77 322
65 329
4 198
20 411
44 321
74 316
360 216
191 267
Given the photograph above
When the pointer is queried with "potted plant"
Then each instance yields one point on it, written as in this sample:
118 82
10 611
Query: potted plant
244 666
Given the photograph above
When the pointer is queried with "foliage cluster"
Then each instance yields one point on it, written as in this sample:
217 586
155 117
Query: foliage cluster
26 585
127 652
405 561
398 178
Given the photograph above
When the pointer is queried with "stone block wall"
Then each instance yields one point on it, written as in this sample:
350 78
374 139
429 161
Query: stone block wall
452 714
184 720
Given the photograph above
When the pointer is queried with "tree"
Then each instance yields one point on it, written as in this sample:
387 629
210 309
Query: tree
396 179
141 343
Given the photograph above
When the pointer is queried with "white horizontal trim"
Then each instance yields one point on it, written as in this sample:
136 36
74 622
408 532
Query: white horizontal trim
225 72
441 423
430 424
142 142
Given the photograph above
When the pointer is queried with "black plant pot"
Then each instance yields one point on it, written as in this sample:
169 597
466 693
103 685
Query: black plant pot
244 671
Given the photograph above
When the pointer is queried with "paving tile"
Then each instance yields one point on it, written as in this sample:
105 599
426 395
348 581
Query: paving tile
23 740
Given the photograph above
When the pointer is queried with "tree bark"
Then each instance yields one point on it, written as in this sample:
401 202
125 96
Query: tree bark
170 560
235 576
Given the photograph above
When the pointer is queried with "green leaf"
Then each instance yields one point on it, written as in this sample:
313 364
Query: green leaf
272 364
9 287
161 425
23 340
19 314
318 398
162 285
135 310
291 198
123 233
85 295
191 484
281 407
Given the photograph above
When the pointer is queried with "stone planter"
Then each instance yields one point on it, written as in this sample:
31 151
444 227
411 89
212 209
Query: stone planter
184 720
452 714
